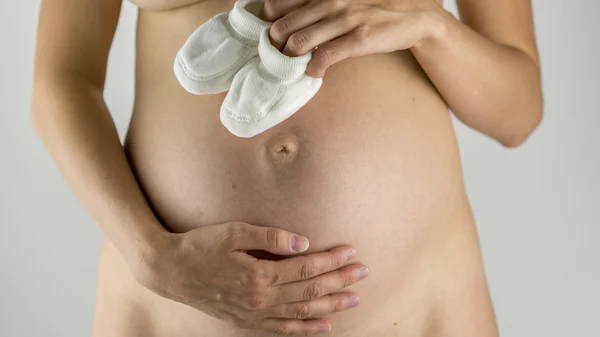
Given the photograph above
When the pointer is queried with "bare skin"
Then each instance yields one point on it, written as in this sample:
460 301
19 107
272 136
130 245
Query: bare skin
198 223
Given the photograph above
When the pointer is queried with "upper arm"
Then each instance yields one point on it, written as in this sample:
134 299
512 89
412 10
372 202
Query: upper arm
74 38
509 22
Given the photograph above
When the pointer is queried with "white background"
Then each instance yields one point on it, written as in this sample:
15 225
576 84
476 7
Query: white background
536 207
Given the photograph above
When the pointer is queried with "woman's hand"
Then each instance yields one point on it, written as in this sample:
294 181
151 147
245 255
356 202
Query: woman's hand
209 269
493 53
348 28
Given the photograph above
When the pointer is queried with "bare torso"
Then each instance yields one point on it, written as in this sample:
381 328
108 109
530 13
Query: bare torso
370 161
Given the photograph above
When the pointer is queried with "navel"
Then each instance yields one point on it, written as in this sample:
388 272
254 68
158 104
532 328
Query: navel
283 148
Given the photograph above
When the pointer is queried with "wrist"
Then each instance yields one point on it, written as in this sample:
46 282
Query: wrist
147 260
142 246
436 26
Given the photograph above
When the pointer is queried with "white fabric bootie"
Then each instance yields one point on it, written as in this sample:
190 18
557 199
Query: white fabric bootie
267 90
219 48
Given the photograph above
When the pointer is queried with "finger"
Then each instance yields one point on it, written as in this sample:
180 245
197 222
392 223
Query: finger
275 9
318 286
306 267
353 44
303 17
316 308
287 327
270 239
307 39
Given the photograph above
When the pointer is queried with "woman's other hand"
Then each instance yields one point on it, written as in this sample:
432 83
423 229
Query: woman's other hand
348 28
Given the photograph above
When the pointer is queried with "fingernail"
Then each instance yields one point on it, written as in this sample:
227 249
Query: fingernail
299 243
363 273
353 301
350 254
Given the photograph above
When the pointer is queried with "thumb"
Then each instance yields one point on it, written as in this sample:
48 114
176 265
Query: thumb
271 239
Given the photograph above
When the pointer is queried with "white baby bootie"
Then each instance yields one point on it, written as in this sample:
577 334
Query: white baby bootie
267 90
219 48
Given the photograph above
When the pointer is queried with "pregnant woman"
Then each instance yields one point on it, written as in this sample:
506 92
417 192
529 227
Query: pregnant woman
348 218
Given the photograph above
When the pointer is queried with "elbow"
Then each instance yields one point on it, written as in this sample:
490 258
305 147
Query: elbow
45 96
521 129
524 114
50 93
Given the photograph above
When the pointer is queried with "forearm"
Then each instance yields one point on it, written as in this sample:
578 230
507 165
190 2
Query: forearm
491 87
73 121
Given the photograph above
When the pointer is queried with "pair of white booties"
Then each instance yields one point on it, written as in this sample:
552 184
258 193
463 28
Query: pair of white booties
232 52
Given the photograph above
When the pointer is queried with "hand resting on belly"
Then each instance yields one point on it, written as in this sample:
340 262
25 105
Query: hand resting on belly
212 270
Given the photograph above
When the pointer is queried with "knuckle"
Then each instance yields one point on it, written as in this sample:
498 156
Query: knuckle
323 56
263 276
338 306
337 260
259 284
349 18
257 281
281 27
337 5
233 235
347 279
362 33
308 270
297 42
284 329
273 238
313 291
255 302
251 282
271 6
274 279
302 311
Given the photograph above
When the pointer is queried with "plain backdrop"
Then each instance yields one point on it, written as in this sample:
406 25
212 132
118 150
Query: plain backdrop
536 207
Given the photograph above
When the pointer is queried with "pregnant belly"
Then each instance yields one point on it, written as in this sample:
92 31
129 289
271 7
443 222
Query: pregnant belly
368 147
371 161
